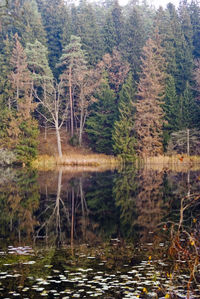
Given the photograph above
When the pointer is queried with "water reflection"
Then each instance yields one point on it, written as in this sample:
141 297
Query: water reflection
143 221
19 200
60 207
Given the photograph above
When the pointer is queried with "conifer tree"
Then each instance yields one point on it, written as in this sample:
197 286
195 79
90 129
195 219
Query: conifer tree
33 27
183 50
25 20
101 121
20 75
5 69
133 40
113 28
149 113
116 68
188 108
123 134
171 106
85 26
194 11
25 127
56 23
38 63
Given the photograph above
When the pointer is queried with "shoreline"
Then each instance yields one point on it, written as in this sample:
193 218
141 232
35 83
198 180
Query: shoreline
100 162
92 161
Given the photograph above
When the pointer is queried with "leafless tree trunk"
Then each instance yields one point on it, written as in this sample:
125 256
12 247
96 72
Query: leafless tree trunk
71 101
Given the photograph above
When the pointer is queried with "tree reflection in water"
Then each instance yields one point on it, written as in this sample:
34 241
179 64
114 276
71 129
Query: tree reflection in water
132 216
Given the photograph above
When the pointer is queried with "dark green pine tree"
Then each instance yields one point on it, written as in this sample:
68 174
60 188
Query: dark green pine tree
123 134
133 40
101 121
32 22
194 11
26 22
113 28
38 63
55 20
189 110
166 32
85 26
183 51
171 108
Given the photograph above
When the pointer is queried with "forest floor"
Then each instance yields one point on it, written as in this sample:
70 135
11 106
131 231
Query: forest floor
48 146
72 155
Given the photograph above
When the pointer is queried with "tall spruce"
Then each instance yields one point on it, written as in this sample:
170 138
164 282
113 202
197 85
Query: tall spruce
25 21
25 127
20 75
123 134
194 11
113 28
56 23
101 121
85 26
182 45
133 40
149 113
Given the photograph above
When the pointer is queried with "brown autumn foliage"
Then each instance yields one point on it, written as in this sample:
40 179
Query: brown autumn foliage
149 113
116 68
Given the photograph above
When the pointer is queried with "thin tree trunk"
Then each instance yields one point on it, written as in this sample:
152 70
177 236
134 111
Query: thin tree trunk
83 209
58 141
72 223
81 122
71 101
45 130
188 142
58 226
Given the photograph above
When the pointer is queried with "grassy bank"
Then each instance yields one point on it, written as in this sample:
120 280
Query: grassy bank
73 160
175 162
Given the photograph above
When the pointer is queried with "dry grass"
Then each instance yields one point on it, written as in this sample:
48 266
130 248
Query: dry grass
85 161
175 162
73 157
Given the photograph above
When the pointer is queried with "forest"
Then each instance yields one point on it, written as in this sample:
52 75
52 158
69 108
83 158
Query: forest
124 81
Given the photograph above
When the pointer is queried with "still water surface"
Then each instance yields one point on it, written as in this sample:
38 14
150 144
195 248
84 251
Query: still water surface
114 234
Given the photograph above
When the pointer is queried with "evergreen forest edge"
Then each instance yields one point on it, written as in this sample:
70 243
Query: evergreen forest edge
125 80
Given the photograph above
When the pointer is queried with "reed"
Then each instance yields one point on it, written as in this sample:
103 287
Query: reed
94 160
175 162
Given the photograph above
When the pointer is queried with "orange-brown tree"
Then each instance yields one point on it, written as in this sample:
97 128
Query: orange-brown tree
20 78
116 68
149 113
21 127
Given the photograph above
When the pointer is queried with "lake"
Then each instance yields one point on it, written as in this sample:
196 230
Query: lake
80 233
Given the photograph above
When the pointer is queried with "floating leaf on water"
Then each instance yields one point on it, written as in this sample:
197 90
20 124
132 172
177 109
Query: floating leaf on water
48 266
16 275
44 293
29 263
39 289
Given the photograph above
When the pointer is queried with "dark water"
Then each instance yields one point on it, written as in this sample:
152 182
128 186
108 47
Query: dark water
115 234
